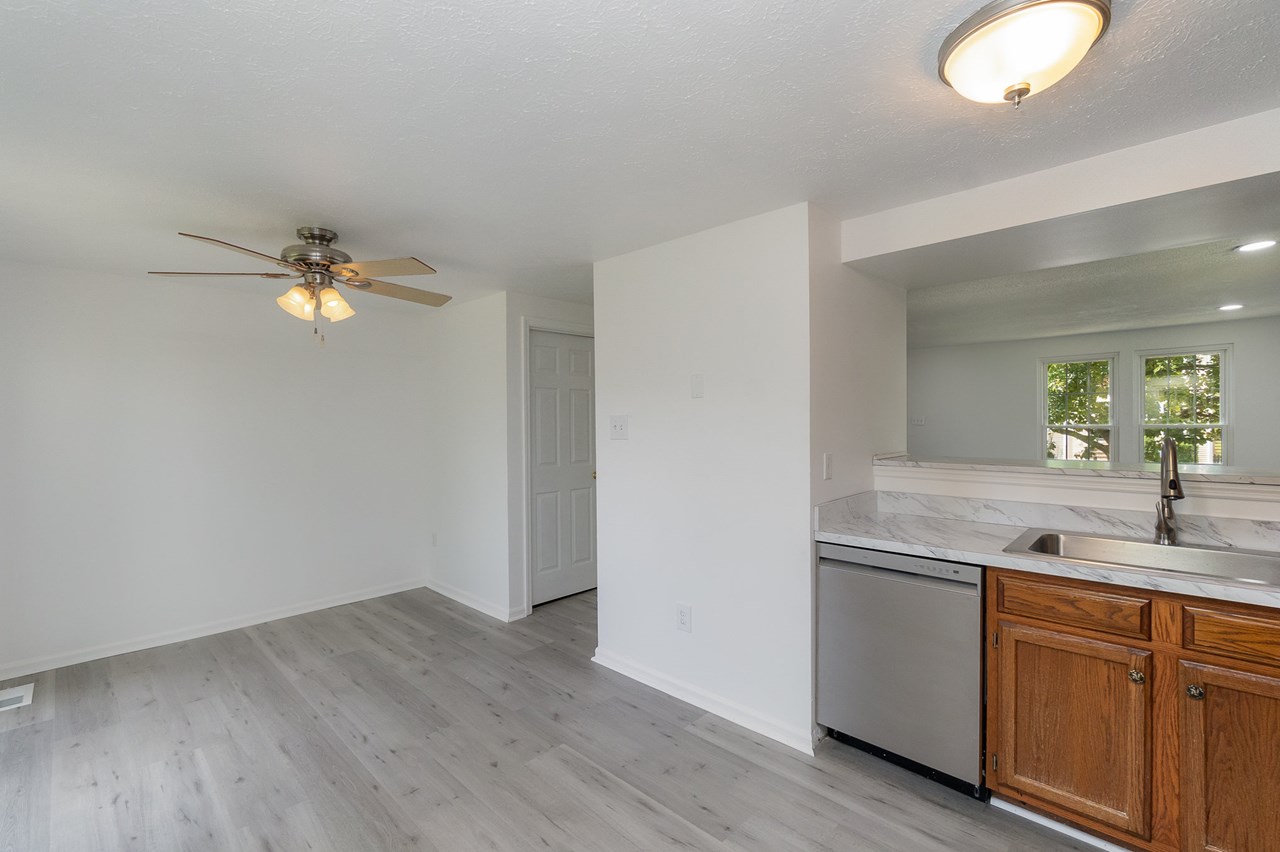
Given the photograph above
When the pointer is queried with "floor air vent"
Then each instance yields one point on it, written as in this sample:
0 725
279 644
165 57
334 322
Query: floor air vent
15 697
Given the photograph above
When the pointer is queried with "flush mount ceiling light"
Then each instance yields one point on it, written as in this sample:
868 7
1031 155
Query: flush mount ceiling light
1258 246
1012 49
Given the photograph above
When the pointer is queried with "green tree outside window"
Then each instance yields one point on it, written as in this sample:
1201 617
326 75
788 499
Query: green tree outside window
1078 410
1182 398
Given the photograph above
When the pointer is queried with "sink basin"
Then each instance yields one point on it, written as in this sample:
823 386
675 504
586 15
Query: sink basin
1224 563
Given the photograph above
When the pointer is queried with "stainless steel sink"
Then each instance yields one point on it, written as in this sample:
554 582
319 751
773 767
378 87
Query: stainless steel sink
1224 563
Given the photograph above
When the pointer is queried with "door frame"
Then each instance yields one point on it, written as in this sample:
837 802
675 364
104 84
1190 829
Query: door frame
525 515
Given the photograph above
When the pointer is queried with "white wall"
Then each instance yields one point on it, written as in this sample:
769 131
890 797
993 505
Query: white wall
467 394
708 502
523 313
180 457
858 366
982 400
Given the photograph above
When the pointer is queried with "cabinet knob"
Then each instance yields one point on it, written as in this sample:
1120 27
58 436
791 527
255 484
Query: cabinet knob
1137 676
1195 693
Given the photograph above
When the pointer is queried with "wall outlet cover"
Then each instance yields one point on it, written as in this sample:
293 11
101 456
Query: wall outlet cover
684 617
619 426
17 696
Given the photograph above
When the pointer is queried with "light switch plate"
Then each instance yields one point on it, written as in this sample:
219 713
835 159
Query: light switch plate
696 386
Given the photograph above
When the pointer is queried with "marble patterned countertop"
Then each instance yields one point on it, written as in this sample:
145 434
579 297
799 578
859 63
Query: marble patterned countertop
976 532
1052 467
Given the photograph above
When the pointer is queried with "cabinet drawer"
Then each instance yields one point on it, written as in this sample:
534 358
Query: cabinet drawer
1106 612
1254 638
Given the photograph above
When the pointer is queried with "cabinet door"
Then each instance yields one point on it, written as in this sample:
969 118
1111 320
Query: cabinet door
1074 725
1230 759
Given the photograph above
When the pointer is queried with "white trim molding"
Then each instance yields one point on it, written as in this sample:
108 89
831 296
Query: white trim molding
522 515
489 608
1054 825
800 739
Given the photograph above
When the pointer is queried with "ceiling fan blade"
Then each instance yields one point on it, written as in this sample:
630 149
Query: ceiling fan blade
395 291
377 268
250 274
250 252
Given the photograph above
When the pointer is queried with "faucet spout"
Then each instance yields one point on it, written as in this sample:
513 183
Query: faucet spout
1170 484
1170 490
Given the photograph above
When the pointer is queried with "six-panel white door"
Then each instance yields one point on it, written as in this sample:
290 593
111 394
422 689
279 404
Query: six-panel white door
562 455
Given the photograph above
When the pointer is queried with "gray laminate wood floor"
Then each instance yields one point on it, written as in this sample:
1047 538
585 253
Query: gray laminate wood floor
412 722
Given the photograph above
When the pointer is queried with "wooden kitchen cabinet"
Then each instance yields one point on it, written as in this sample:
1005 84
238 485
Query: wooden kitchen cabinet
1147 718
1075 724
1230 758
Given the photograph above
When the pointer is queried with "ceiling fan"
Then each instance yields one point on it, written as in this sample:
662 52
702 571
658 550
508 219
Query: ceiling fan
318 264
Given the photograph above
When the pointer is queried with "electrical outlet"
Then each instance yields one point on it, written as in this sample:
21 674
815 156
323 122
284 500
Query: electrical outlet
618 427
684 617
826 465
435 540
917 421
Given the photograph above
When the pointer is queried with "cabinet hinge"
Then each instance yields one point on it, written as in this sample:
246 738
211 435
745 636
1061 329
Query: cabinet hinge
995 639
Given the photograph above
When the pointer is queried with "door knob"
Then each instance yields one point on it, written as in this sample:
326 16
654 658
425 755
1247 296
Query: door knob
1195 693
593 474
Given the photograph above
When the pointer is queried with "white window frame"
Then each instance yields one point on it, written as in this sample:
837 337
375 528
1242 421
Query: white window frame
1225 385
1042 383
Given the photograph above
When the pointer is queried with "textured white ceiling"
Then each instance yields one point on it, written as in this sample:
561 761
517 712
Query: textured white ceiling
1164 288
509 143
1162 261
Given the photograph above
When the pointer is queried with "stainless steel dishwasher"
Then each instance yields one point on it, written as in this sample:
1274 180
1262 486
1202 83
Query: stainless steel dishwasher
900 660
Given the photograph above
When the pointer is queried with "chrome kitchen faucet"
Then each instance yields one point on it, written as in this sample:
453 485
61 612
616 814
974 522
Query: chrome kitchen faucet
1170 490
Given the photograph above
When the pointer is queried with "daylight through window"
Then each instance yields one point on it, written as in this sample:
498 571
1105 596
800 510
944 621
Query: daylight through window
1182 398
1078 410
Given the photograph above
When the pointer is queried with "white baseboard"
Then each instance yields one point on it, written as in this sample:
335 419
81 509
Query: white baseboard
490 609
1060 827
110 649
800 739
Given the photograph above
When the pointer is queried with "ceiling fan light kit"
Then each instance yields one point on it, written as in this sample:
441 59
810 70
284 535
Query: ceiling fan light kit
333 306
298 302
318 264
1010 50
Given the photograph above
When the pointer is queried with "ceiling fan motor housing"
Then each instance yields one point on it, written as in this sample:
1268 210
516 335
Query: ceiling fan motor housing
316 250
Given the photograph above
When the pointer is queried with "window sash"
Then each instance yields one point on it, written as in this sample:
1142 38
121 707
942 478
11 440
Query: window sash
1145 427
1109 426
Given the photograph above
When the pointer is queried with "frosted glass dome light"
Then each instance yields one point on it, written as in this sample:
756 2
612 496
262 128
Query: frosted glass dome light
298 302
1013 49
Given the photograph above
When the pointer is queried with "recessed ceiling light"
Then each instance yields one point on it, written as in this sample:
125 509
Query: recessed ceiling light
1258 246
1230 307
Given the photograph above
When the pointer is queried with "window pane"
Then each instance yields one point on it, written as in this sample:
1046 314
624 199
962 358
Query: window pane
1078 444
1183 389
1078 392
1195 445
